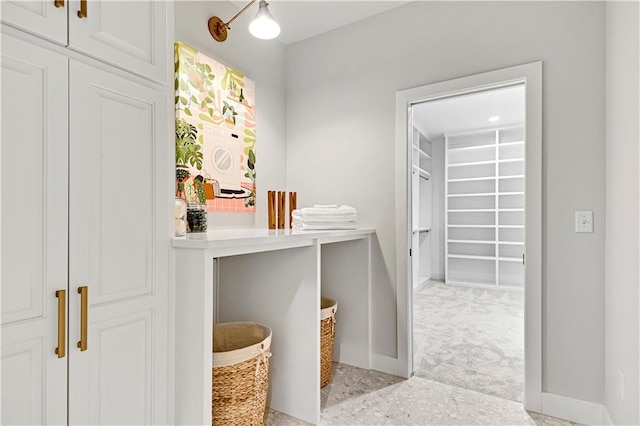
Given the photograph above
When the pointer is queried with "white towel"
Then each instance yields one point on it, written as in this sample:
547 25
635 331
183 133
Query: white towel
323 211
325 206
323 226
347 217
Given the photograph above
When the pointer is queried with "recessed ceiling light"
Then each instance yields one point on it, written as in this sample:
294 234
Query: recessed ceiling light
494 118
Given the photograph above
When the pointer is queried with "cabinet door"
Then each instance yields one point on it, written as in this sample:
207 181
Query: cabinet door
45 18
118 160
34 232
129 34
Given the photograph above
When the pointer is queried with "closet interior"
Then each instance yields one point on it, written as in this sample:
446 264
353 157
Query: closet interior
468 183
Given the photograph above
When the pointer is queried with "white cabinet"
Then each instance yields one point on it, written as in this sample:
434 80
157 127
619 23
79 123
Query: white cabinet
34 232
128 34
113 200
85 167
46 19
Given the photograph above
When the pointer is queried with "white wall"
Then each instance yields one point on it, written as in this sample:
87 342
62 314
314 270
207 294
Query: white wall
437 200
261 61
623 209
340 145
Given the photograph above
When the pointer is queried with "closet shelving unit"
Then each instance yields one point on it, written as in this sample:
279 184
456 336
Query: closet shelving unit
421 218
422 161
484 204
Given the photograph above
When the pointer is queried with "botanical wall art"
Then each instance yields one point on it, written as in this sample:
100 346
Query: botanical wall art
215 133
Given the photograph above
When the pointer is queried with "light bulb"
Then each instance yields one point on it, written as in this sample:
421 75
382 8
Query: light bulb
263 25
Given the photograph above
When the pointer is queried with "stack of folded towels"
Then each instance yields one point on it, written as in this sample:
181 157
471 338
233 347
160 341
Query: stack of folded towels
324 217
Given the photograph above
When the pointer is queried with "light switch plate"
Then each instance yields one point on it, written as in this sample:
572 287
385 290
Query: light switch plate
584 221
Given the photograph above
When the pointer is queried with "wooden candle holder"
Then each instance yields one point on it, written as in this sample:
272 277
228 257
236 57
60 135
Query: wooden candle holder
293 205
281 208
271 206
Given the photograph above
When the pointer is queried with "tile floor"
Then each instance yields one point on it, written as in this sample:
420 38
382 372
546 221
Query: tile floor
362 397
468 363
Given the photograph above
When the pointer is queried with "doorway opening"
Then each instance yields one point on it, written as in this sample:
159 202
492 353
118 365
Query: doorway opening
471 195
467 240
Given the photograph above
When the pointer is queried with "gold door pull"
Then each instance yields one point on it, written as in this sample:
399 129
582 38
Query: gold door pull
58 3
62 320
82 13
84 308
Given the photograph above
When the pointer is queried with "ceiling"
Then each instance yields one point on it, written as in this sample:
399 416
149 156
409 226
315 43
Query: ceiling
470 112
302 19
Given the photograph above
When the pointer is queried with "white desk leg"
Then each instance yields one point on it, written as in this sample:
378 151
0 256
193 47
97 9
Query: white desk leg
193 339
346 278
282 290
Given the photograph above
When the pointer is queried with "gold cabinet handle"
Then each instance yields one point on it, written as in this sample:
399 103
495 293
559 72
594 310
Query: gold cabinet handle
82 13
58 3
62 323
84 311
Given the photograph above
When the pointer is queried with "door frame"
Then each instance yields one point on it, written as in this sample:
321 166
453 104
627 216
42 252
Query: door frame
531 75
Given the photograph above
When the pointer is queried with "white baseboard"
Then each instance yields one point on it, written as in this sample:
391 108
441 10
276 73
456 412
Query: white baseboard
575 410
437 276
385 364
606 419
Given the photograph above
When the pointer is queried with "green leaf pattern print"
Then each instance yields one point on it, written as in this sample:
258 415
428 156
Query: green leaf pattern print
211 95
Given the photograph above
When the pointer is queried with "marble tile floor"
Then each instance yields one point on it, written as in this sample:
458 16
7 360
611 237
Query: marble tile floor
470 337
361 397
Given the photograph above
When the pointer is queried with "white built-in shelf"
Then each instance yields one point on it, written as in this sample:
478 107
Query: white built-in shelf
470 226
472 179
468 148
470 210
510 259
476 257
422 172
511 143
472 241
470 256
422 153
478 194
469 158
472 163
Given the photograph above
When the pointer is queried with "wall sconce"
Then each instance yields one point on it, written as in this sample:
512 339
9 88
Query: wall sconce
263 25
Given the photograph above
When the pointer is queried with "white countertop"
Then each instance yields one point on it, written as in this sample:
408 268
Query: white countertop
255 239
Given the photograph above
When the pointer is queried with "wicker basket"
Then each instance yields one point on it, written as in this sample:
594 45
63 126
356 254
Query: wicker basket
328 308
240 373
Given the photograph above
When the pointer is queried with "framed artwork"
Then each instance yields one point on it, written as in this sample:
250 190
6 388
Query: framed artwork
215 133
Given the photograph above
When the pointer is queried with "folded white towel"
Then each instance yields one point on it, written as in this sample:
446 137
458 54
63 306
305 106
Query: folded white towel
301 226
322 211
325 206
324 218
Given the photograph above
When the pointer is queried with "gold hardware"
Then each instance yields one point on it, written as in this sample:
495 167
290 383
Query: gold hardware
84 302
58 3
62 326
218 28
82 13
